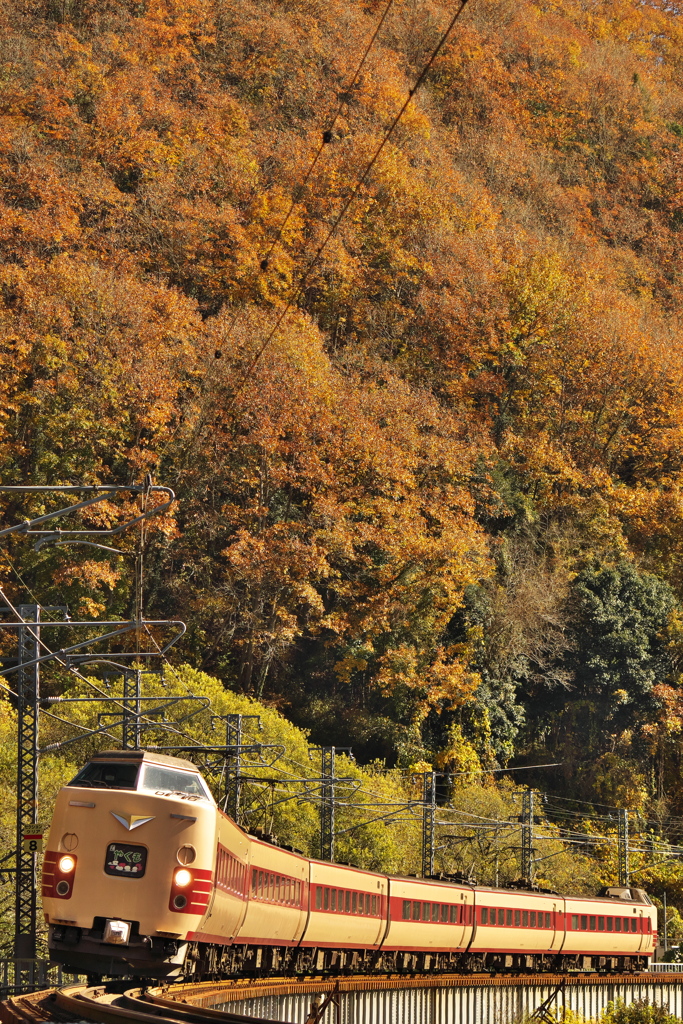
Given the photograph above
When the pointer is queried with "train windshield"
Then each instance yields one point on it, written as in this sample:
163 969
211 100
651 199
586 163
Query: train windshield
156 779
99 774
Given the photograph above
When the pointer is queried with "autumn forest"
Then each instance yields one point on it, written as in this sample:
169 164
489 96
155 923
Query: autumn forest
430 484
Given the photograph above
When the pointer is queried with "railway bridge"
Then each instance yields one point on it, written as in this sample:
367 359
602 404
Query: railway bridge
444 999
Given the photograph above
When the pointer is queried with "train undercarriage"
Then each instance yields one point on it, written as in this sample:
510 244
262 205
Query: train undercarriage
166 959
213 961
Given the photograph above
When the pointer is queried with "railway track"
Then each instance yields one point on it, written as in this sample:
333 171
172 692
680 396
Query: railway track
193 1003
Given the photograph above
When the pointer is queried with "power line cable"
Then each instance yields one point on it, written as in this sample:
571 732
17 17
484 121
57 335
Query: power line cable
419 82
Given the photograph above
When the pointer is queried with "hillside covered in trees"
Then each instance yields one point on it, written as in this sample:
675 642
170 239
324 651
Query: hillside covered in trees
439 517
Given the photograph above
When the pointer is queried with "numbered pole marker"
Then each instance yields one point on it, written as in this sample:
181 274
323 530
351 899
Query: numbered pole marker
32 842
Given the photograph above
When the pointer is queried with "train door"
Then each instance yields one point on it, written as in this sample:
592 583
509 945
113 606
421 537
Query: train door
645 938
558 933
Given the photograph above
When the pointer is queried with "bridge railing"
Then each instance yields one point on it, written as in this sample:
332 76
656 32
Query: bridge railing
18 977
666 968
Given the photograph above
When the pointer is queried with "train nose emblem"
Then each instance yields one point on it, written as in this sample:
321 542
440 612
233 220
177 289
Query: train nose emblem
131 821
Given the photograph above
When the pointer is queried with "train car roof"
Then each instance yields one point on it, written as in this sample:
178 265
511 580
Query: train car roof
143 755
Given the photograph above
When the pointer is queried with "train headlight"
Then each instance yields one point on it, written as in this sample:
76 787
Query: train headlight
66 865
182 878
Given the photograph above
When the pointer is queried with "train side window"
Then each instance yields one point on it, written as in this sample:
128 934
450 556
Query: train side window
435 911
501 916
326 899
454 915
426 912
592 922
548 920
354 902
318 897
416 911
260 884
406 910
610 924
617 924
375 909
532 919
584 923
540 919
508 917
634 924
525 918
444 912
601 924
254 882
575 922
333 899
484 915
347 902
518 918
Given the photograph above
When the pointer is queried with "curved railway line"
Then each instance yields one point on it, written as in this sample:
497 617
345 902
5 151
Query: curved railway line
193 1003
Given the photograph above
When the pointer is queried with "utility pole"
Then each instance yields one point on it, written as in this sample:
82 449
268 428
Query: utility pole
28 695
428 822
234 748
528 835
622 842
131 709
327 808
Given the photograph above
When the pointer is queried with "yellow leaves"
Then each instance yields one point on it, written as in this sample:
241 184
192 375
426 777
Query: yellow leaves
92 574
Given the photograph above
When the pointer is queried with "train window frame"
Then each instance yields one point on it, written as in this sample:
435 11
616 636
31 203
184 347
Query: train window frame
484 915
354 902
417 907
518 918
195 786
501 916
584 922
617 924
575 922
525 919
634 924
601 923
333 900
532 919
444 913
610 924
407 908
453 914
347 902
548 919
592 922
90 775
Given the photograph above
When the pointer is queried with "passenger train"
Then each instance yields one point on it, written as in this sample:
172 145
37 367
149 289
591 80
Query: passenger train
145 876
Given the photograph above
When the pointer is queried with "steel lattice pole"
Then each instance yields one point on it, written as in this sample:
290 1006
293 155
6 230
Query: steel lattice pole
233 743
327 804
624 866
428 821
528 835
28 694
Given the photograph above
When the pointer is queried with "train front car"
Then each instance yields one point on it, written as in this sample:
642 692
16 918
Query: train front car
129 865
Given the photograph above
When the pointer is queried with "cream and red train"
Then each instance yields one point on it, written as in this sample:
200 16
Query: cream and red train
145 876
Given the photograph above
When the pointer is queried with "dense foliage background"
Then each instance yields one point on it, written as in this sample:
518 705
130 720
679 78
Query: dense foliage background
441 519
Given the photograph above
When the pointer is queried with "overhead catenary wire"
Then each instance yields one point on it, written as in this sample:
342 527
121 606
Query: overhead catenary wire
313 262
